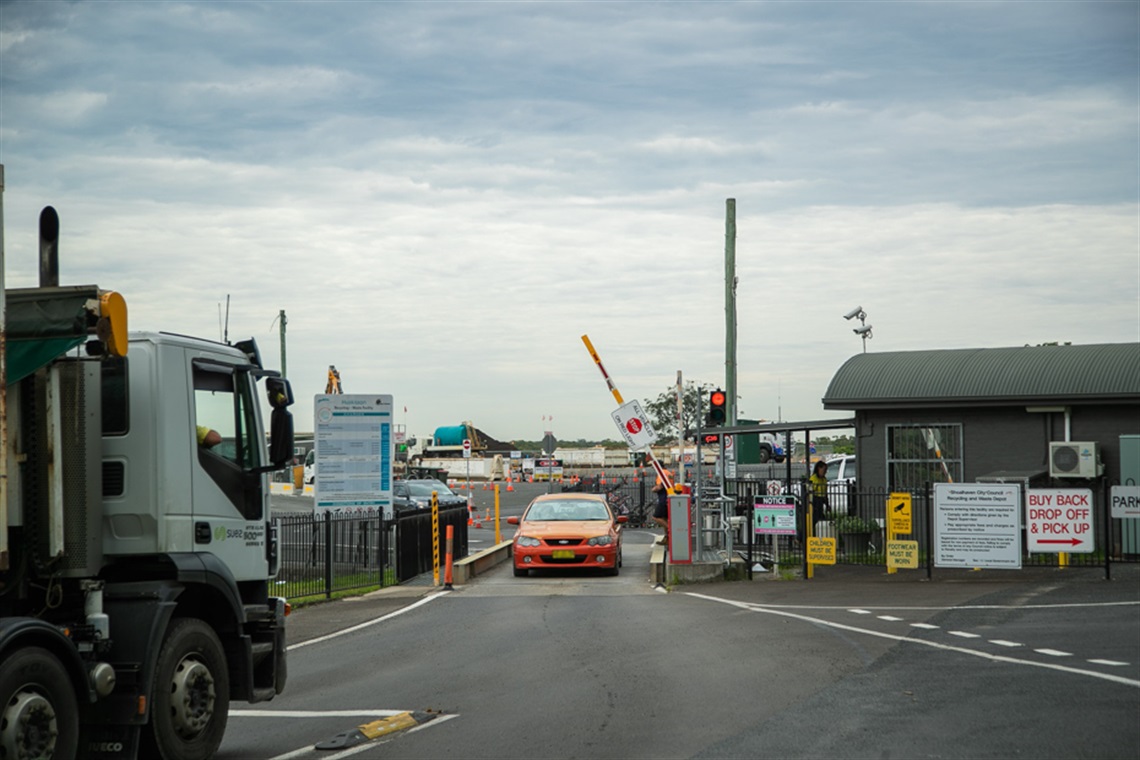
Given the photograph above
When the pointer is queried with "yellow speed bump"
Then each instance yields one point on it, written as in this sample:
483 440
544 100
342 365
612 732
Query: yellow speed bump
385 726
376 729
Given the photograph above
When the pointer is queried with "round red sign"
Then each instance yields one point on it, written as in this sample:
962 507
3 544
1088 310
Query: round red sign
633 425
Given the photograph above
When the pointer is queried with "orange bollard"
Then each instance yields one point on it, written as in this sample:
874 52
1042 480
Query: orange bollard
447 570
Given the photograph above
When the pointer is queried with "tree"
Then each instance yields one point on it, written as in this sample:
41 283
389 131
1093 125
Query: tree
662 411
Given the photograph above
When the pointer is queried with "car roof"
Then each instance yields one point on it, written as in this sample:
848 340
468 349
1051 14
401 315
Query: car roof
569 495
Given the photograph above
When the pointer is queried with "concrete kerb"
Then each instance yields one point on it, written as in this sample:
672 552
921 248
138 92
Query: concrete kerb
463 570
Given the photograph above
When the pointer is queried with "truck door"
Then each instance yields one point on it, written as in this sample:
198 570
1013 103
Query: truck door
229 500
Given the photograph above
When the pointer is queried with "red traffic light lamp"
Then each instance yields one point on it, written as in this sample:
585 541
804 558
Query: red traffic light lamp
717 411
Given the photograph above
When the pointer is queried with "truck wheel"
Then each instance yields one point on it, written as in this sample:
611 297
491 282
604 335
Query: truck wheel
191 696
765 454
40 715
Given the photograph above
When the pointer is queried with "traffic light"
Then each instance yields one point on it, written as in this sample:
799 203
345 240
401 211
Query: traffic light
717 410
710 439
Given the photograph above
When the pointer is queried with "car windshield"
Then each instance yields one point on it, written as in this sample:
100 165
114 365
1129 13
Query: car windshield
439 487
841 466
423 489
567 509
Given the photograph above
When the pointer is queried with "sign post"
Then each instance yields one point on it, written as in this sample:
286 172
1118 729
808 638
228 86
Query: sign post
467 457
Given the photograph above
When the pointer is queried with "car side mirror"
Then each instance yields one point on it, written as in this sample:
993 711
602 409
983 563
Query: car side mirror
512 521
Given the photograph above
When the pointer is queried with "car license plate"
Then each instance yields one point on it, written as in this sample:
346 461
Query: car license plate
563 554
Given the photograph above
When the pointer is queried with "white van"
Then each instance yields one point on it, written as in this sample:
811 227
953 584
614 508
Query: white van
310 466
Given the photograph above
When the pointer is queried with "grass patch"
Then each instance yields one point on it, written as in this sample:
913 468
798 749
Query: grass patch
310 591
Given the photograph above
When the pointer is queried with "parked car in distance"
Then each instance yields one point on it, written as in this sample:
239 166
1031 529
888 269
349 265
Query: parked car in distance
417 493
840 480
447 497
841 468
310 466
567 530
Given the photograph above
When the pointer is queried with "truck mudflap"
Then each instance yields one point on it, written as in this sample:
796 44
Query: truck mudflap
110 742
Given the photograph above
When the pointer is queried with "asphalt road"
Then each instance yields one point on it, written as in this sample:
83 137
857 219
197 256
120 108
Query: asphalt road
853 664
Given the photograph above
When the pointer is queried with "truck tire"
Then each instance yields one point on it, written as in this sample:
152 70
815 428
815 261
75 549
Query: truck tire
40 714
765 454
191 696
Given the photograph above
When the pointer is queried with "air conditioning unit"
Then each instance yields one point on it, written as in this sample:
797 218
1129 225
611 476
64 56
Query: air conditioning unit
1074 459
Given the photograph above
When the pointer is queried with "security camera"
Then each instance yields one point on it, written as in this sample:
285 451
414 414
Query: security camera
853 313
864 330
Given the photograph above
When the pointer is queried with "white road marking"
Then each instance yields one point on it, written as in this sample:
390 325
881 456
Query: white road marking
889 618
315 713
374 744
311 749
1053 652
1004 643
964 634
925 626
389 616
920 642
300 752
1114 663
898 608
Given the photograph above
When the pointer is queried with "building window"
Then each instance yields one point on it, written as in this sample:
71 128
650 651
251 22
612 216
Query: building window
921 454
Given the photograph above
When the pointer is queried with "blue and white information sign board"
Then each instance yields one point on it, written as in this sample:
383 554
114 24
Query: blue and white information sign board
353 440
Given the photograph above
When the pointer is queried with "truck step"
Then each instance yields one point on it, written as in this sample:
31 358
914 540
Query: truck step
262 694
254 612
261 649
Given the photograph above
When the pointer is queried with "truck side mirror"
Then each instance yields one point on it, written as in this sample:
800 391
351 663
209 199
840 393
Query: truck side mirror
280 437
280 392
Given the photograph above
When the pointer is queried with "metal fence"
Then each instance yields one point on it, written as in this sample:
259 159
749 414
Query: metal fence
629 495
322 554
857 517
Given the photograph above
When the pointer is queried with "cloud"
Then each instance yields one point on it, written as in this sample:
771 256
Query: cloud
444 197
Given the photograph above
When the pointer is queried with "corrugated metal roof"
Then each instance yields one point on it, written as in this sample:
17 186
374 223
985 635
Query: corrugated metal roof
1032 373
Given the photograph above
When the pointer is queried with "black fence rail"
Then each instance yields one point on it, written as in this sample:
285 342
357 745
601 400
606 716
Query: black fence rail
322 554
415 554
857 519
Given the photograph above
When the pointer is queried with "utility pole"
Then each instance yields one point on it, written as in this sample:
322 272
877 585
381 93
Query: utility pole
281 317
730 307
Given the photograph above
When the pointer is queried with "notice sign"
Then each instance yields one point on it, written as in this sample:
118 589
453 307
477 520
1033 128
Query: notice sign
773 519
1059 520
977 525
634 426
353 442
898 513
821 551
902 554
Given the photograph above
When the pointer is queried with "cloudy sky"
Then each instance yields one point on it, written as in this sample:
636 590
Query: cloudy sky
444 196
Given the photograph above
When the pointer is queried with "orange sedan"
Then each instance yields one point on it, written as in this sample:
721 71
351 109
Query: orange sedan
567 530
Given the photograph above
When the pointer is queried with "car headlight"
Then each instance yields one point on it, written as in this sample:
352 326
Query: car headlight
528 541
600 541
